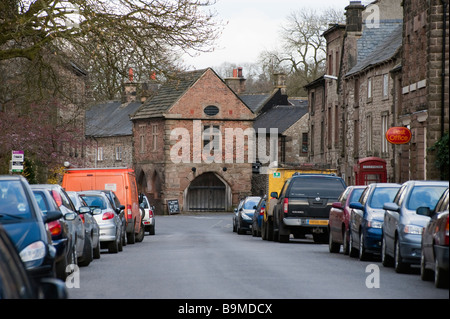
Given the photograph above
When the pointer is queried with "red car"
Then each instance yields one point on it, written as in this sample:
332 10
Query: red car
434 257
339 219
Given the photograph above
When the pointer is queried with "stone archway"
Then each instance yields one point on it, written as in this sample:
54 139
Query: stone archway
207 192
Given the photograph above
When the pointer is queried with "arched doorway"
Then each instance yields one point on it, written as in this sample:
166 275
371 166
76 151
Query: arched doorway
207 192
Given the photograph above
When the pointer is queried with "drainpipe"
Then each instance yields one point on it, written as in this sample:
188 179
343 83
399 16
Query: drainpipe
444 38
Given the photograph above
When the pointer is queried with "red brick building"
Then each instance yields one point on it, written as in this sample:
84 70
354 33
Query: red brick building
172 130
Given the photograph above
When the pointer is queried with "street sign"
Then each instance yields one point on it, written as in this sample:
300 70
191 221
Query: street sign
16 164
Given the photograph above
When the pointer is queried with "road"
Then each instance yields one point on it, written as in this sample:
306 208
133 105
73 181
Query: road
199 257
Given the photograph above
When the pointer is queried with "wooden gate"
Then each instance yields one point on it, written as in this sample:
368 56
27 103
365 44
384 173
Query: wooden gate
206 193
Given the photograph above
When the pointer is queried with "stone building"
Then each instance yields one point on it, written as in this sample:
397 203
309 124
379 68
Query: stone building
351 104
187 144
423 79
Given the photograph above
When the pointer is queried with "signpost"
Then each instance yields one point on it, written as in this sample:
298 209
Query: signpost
16 164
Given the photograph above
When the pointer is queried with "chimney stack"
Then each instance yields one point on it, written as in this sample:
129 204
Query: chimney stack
354 16
237 82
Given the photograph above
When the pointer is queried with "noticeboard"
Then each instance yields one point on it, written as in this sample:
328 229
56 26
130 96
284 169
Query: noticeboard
173 206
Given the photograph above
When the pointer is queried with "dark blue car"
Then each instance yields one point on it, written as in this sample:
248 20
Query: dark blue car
25 225
366 219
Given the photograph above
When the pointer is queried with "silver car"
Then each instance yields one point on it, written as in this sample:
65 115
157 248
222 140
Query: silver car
92 230
108 220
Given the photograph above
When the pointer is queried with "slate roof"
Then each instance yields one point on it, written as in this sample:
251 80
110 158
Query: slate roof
281 117
110 119
381 53
255 101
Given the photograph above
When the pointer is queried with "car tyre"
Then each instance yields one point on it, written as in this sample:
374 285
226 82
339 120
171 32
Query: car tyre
399 265
440 276
425 274
140 235
352 251
386 260
96 250
332 246
345 245
363 255
87 257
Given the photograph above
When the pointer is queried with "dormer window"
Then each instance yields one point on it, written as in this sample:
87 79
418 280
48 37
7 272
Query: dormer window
211 110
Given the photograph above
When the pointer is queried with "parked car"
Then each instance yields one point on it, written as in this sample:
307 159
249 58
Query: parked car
367 217
108 220
245 214
258 217
303 206
92 230
149 219
15 282
402 226
338 229
235 215
83 246
25 224
120 209
62 231
434 256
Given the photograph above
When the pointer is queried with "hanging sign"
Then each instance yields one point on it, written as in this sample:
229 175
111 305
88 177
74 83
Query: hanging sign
398 135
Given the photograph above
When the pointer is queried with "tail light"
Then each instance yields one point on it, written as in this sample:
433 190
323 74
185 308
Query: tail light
55 228
285 205
150 213
446 233
129 212
261 211
108 215
57 197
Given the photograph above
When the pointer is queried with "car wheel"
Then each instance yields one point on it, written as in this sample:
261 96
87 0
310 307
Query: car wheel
362 250
152 230
140 235
131 237
97 250
399 265
425 274
352 251
386 260
345 245
87 253
113 247
440 276
332 246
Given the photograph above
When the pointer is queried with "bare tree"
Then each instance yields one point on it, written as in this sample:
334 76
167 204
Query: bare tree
108 36
303 52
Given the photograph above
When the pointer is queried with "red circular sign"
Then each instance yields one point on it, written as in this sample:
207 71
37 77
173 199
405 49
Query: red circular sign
398 135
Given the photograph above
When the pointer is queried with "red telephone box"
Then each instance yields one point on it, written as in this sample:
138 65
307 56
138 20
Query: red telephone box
370 170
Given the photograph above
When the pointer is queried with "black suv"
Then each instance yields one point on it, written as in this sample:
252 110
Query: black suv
303 206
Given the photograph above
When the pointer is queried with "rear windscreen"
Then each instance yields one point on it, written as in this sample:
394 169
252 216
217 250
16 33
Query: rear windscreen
314 186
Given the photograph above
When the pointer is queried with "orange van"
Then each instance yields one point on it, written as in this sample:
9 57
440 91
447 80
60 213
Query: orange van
120 180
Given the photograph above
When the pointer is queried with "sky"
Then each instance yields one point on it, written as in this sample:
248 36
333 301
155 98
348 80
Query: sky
253 26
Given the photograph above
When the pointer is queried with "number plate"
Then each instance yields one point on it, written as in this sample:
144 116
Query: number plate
317 222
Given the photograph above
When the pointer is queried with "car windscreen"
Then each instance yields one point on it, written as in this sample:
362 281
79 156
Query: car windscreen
94 201
251 202
356 195
316 186
383 195
425 196
14 203
41 201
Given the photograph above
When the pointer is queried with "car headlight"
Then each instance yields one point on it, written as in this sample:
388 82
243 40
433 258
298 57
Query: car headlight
412 229
374 224
244 216
33 253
